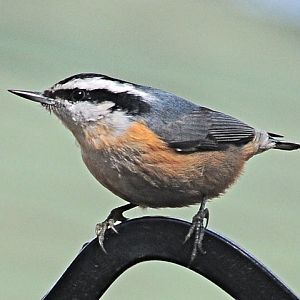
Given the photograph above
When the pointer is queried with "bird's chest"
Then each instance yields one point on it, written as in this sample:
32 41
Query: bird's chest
121 162
140 168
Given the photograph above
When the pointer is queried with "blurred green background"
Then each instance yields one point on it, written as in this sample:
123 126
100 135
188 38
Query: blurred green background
233 56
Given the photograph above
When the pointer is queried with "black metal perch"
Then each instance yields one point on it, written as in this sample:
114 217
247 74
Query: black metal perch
158 238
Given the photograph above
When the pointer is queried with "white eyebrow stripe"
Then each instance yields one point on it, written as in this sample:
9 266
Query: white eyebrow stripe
102 84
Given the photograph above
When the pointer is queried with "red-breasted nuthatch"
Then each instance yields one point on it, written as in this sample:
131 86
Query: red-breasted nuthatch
153 148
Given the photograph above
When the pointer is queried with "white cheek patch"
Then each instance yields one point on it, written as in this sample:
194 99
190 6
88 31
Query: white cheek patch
118 121
87 112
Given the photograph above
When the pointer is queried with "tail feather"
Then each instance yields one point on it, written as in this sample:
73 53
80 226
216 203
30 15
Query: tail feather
267 140
276 135
282 145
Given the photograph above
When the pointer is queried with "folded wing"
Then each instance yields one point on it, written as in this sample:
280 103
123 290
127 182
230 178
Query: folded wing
204 129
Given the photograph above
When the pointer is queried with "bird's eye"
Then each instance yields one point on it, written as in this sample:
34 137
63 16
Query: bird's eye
78 95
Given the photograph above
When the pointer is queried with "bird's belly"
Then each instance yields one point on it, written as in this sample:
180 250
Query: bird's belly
164 178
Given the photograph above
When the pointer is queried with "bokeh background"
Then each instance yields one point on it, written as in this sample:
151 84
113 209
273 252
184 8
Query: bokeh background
239 57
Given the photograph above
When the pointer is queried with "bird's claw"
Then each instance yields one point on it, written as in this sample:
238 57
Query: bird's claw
198 229
101 229
116 215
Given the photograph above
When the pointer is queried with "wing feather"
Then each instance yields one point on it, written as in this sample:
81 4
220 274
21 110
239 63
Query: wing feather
205 129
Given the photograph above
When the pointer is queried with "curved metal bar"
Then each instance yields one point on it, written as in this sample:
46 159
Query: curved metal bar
158 238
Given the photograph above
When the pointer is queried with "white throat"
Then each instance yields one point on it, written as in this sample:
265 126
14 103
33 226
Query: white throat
85 114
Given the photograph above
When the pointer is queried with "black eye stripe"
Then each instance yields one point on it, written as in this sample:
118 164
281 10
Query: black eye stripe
127 102
73 95
78 95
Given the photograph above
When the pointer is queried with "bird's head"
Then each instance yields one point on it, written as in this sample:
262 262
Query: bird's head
86 99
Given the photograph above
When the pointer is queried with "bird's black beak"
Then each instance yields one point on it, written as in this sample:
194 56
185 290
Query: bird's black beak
33 96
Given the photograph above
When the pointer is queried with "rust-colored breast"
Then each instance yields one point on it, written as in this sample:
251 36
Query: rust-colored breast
191 175
101 137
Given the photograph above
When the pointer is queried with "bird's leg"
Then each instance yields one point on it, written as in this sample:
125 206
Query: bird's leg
114 216
198 229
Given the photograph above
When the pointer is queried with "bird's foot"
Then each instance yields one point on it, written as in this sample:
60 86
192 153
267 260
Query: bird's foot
198 229
116 215
101 228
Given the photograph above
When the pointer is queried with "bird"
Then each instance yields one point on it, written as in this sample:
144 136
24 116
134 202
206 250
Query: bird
153 148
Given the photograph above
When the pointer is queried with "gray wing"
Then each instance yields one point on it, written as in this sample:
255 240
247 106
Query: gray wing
205 129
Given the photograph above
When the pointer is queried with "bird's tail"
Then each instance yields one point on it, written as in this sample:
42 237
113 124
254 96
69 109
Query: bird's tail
267 140
282 145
